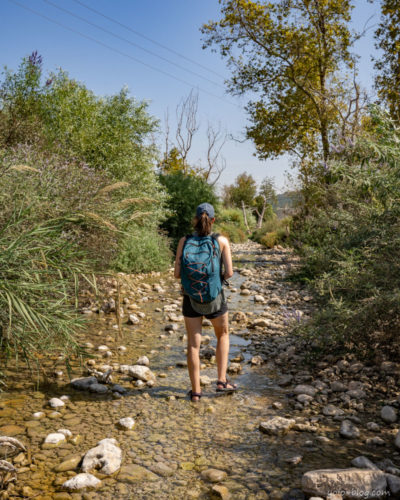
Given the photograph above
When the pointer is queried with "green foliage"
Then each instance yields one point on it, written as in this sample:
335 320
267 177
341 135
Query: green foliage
185 192
230 223
243 190
273 232
388 65
351 244
143 251
290 56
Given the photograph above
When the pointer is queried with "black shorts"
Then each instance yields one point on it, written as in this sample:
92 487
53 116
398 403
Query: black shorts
189 312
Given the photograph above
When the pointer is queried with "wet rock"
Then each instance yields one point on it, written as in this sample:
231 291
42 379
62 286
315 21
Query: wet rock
305 399
126 423
259 298
103 348
245 291
56 403
171 327
234 368
285 380
294 494
67 433
143 361
205 380
69 464
256 360
83 383
214 475
81 481
375 441
277 425
294 460
348 430
162 469
337 386
373 426
98 388
262 322
220 491
388 414
363 463
140 372
207 352
12 430
239 317
38 414
106 457
118 388
354 483
133 473
54 438
393 483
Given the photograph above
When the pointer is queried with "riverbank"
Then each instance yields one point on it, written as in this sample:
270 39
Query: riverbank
229 446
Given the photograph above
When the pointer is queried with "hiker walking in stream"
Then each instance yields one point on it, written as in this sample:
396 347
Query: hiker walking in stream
203 261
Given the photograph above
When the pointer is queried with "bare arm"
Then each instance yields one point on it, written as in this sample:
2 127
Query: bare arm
177 271
226 256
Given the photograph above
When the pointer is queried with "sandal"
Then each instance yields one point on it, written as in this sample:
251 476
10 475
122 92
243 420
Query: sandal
225 387
194 395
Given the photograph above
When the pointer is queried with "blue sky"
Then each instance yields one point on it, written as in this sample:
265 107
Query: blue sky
173 23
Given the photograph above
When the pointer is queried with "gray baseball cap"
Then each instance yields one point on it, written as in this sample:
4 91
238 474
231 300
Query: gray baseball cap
207 208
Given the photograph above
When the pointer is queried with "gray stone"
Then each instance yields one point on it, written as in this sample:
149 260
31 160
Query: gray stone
55 438
388 414
106 457
133 474
162 469
393 483
332 411
81 481
56 403
126 423
353 483
118 388
83 383
143 360
305 389
98 388
397 440
348 430
214 475
363 463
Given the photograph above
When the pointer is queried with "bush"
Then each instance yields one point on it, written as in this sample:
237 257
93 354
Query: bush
230 223
231 231
350 244
143 251
273 232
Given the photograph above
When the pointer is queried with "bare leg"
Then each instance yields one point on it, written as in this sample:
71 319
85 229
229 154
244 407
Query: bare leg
221 328
193 328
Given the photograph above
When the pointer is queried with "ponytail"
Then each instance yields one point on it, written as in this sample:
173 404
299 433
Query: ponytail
203 224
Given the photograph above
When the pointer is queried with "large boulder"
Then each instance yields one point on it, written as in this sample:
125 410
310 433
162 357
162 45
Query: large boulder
106 457
351 483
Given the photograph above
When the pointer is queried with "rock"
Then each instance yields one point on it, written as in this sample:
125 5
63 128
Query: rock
106 457
239 317
352 483
126 423
103 348
38 414
256 360
162 469
54 438
393 483
234 368
133 474
143 361
373 426
294 460
259 298
98 388
397 440
277 425
284 380
305 389
205 380
11 430
118 388
214 475
141 372
363 463
220 491
81 481
294 494
375 441
332 411
83 383
348 430
171 327
133 319
67 433
388 414
304 398
260 322
69 464
337 386
56 403
244 291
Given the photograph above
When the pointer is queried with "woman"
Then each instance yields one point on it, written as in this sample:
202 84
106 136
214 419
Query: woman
203 223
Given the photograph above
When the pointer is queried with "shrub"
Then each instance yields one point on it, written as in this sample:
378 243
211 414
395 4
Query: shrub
350 244
231 231
230 223
270 239
274 231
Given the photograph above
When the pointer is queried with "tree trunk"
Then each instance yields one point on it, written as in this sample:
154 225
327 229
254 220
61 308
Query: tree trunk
245 218
261 215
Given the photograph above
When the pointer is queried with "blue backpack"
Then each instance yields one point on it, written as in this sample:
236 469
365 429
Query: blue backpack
201 268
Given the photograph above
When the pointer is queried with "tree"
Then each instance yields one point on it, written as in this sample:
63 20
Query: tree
290 55
241 194
387 35
265 199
